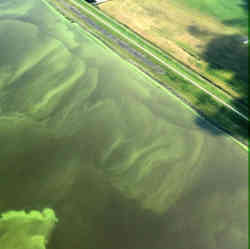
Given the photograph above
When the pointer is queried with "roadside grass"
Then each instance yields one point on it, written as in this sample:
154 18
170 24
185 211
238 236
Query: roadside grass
186 32
202 103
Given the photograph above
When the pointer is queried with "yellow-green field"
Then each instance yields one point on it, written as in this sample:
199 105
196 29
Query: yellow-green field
205 35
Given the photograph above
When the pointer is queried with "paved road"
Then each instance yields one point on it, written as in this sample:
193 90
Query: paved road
160 60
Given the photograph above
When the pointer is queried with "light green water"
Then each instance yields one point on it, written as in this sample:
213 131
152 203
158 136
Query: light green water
123 164
26 230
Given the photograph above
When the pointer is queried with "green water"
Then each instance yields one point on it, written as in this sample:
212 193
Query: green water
123 164
26 230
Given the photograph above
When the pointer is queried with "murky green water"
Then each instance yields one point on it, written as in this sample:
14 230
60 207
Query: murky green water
123 164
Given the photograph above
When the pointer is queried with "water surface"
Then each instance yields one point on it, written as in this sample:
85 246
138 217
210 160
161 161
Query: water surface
124 164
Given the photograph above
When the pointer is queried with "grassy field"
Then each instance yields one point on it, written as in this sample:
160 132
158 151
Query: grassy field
224 11
201 34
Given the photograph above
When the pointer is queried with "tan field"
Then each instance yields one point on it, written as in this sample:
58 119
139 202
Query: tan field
182 32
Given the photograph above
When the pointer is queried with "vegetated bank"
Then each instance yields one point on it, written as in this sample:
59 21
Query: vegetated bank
213 111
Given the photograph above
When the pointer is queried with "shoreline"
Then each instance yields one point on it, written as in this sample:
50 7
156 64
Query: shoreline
106 40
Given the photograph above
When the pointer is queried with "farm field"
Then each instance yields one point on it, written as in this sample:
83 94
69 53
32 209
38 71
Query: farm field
95 154
205 35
